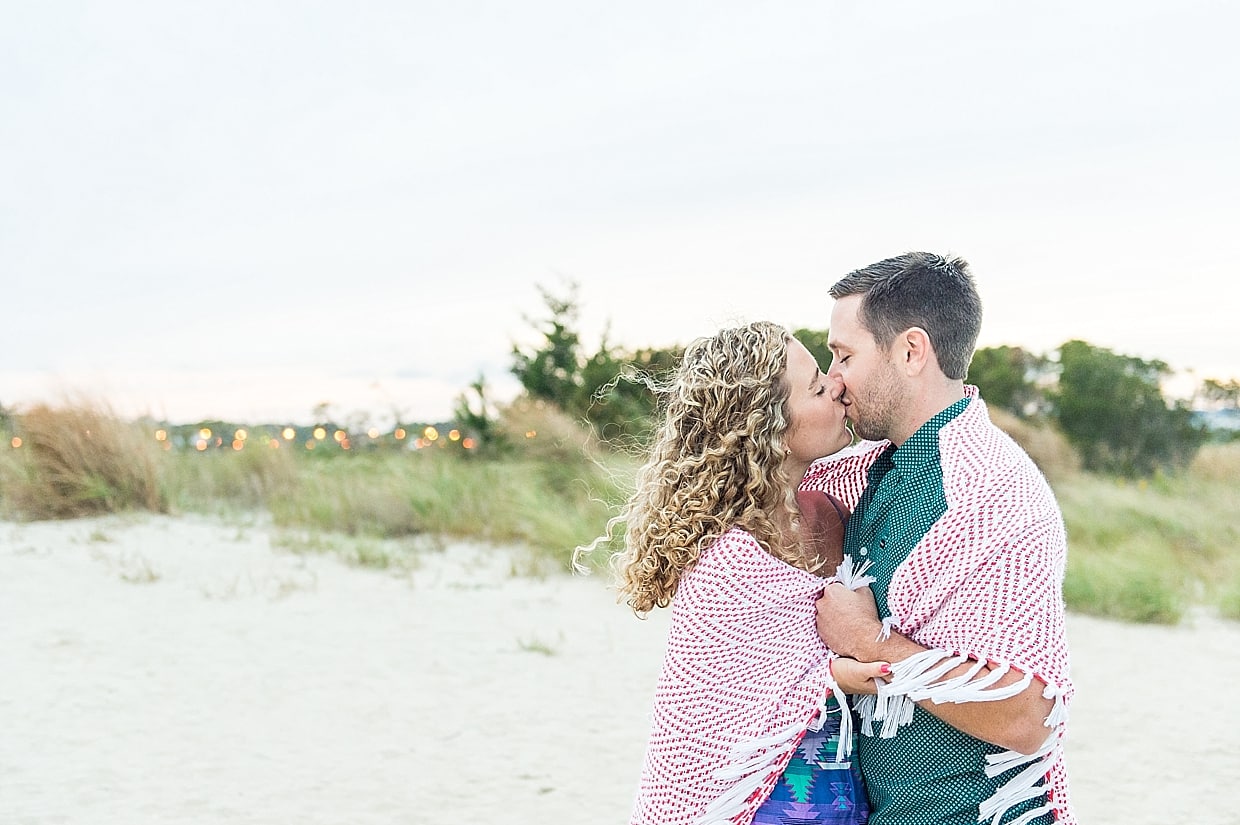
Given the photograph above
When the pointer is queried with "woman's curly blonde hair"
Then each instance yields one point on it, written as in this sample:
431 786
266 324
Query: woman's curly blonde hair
717 462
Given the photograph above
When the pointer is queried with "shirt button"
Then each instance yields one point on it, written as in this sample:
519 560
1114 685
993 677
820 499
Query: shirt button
864 551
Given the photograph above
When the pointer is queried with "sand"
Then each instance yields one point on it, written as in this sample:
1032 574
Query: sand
181 669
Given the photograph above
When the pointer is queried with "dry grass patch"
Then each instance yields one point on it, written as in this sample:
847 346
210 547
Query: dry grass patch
79 460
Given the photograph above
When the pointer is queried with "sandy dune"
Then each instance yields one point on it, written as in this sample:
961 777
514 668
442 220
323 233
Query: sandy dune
167 670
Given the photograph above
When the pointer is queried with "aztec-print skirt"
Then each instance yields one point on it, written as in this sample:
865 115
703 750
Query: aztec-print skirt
815 789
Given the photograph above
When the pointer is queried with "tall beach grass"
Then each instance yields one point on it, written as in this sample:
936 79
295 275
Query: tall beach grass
78 459
552 489
1138 551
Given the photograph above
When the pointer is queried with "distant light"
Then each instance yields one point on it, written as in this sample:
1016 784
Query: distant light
201 445
15 442
344 444
454 435
400 433
531 433
238 444
418 443
319 433
241 435
161 435
274 443
468 443
167 446
204 433
288 433
430 433
372 432
340 436
310 444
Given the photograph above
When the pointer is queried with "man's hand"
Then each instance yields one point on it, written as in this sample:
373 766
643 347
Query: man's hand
848 621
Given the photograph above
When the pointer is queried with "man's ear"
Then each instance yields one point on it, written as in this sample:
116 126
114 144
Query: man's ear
915 346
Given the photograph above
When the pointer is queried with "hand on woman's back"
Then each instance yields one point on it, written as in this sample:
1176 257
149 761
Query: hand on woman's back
823 517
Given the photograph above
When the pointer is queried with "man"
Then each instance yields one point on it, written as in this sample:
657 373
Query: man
967 549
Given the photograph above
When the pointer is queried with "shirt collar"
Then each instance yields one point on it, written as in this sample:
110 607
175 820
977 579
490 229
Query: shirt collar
923 445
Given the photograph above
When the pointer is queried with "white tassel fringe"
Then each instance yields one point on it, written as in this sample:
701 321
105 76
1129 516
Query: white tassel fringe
852 575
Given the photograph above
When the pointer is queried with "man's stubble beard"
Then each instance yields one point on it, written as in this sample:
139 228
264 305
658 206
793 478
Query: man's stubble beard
880 408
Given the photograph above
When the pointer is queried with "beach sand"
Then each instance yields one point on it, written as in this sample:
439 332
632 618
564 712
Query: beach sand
181 670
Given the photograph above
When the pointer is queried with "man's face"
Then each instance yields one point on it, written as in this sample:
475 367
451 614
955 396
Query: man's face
874 392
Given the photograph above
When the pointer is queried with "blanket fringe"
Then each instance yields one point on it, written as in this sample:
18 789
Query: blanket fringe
754 760
1025 785
844 748
752 765
920 677
853 575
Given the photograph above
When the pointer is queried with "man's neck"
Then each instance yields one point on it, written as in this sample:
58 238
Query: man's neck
927 402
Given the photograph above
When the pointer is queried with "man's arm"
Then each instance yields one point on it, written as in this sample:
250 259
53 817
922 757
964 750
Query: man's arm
848 624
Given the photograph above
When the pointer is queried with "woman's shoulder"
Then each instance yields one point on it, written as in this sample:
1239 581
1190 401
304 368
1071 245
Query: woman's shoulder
735 549
738 564
737 554
736 540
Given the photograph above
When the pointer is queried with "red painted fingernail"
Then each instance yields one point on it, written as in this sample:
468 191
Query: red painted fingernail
884 669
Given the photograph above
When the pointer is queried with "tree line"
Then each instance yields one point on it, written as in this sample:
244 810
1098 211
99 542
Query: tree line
1110 407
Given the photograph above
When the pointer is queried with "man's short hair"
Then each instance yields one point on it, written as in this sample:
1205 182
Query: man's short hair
920 289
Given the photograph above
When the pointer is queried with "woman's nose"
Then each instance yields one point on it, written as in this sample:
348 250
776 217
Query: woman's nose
837 386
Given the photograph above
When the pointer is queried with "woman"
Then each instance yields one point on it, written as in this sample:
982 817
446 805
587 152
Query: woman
746 726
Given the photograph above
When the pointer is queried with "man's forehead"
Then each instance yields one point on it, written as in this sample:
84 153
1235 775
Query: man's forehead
845 327
841 334
836 341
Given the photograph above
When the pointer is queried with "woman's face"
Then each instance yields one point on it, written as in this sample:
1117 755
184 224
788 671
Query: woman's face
814 409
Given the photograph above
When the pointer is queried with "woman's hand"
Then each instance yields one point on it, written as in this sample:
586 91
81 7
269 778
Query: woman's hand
858 677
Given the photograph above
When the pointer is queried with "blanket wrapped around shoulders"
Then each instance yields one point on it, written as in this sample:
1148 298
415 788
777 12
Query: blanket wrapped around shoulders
744 675
983 584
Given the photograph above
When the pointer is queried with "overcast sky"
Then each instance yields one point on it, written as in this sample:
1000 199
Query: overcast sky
242 210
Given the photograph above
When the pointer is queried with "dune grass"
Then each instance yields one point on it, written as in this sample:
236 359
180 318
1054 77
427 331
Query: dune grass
506 500
1138 551
218 481
551 489
79 459
1148 550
